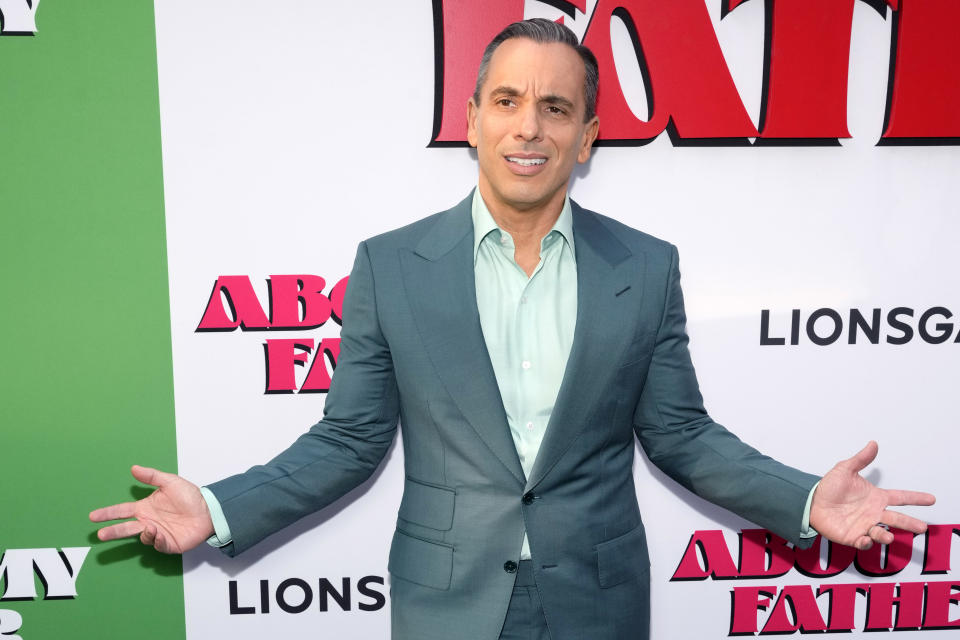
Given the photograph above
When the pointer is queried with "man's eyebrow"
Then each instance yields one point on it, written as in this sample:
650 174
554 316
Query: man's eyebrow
557 100
504 90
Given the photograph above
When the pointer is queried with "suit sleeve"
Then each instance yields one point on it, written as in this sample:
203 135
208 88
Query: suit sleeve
681 439
339 452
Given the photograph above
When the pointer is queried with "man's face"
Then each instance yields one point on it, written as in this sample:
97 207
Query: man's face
528 128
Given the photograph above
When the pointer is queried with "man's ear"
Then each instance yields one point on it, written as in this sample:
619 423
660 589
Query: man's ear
589 135
472 111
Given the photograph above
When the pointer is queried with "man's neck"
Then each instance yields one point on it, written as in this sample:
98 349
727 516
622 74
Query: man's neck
527 227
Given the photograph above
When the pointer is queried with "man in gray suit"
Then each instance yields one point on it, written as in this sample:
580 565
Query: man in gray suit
523 341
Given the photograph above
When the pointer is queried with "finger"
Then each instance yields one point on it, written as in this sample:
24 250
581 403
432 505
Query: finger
898 497
160 543
880 534
122 530
113 512
864 457
863 543
149 533
151 476
903 521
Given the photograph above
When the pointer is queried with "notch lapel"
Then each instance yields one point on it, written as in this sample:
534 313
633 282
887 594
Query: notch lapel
439 279
606 278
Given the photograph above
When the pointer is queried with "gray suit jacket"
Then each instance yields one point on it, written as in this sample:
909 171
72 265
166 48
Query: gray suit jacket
412 347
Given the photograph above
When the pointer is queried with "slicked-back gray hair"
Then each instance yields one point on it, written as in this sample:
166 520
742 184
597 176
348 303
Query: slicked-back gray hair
545 31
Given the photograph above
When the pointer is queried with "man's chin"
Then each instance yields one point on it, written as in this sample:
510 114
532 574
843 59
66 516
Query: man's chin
526 198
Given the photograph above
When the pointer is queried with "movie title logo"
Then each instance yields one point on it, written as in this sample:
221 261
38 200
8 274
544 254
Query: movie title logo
689 89
295 595
826 326
57 570
18 17
770 609
295 303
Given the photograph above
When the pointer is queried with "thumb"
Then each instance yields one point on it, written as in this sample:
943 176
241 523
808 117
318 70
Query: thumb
151 476
864 457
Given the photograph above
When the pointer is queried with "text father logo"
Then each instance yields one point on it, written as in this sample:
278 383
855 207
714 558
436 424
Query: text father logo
690 92
18 17
918 604
295 303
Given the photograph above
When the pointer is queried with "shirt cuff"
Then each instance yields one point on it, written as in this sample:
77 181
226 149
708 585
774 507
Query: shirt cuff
222 536
806 531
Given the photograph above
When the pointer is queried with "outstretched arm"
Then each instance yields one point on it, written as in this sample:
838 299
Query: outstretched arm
172 519
849 510
683 440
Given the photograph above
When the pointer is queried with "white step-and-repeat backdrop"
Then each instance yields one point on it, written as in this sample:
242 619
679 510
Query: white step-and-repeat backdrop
801 154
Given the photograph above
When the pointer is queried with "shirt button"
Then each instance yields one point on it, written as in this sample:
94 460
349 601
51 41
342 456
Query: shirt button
510 566
523 300
530 425
525 364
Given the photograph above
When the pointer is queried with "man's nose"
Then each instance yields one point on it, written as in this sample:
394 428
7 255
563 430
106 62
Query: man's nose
528 123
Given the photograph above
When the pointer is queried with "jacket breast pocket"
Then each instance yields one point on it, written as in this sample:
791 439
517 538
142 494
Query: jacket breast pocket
623 558
427 505
422 562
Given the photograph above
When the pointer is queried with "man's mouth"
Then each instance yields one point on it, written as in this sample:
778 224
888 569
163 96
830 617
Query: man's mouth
526 162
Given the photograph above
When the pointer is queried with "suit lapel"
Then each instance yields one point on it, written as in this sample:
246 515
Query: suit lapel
440 284
606 279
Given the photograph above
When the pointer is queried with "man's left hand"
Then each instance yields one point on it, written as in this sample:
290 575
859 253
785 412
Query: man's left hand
849 510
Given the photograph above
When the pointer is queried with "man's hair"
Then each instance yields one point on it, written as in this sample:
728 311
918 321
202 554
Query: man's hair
544 31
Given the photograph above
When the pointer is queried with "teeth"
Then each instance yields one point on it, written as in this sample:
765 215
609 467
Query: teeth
527 162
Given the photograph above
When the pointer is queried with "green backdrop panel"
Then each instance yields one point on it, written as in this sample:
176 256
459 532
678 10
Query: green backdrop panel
86 379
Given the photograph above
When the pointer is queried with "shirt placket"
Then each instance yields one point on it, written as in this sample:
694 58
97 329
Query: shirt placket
528 432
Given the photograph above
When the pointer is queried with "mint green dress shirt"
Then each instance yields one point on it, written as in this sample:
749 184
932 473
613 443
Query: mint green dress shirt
527 323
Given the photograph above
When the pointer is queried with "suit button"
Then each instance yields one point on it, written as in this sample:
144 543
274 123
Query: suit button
510 566
528 498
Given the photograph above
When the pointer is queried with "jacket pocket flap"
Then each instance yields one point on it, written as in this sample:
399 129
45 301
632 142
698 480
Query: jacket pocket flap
425 563
623 558
427 505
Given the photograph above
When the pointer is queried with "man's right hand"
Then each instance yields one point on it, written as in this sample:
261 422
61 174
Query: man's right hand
173 519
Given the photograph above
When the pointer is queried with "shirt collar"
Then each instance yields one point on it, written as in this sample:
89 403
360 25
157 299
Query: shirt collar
484 224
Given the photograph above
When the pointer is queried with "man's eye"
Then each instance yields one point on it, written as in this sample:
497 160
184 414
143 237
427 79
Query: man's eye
555 110
505 102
